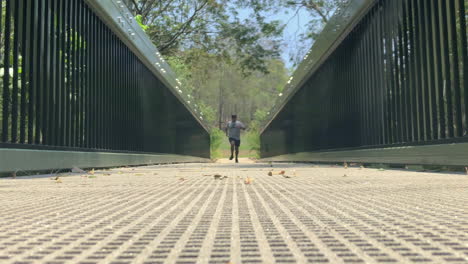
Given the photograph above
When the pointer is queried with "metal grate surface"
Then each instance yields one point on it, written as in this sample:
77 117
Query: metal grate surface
175 214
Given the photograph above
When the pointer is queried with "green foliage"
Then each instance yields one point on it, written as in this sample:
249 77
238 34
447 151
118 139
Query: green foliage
209 114
253 139
216 136
139 20
260 117
212 26
221 88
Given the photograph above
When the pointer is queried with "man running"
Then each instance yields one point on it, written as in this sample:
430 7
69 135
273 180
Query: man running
233 129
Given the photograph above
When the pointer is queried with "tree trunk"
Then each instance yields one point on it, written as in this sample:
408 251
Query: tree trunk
221 99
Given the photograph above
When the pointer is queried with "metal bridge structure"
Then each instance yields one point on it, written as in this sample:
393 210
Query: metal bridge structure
83 88
82 85
386 82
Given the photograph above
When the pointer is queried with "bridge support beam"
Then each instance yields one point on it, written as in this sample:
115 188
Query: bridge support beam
20 160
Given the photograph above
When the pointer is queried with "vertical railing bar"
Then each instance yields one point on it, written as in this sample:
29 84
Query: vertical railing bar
24 68
429 61
53 73
367 82
348 96
408 117
2 29
96 78
422 68
344 95
6 73
111 88
128 135
378 77
137 96
68 87
385 104
357 86
131 86
82 89
363 78
445 70
401 74
102 64
78 74
116 92
415 72
107 115
367 96
464 50
73 71
116 95
140 112
438 76
390 74
373 80
359 71
129 101
95 81
92 79
87 78
340 94
378 67
117 99
84 75
63 85
15 91
454 69
40 74
412 73
32 70
46 74
395 27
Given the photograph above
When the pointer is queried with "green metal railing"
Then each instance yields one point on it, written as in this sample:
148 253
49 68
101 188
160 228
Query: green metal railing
72 81
385 73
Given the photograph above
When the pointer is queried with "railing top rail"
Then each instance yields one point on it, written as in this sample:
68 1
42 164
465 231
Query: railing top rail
116 15
346 17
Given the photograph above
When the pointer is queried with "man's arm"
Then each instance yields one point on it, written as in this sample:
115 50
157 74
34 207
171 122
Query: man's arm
243 127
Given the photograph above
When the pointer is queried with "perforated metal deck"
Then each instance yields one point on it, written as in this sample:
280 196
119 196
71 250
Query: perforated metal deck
175 214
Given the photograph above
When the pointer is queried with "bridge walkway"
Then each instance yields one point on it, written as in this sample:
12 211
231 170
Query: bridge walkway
227 213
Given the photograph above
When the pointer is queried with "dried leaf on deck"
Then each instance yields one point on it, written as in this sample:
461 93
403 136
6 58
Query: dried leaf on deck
248 180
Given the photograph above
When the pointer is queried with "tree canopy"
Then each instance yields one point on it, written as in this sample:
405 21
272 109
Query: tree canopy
227 52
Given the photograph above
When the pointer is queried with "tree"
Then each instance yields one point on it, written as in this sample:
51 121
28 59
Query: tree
210 25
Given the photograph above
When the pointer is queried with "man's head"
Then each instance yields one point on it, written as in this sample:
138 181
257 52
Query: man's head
234 117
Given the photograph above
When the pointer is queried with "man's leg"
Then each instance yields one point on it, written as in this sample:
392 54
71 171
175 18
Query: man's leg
232 149
237 154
